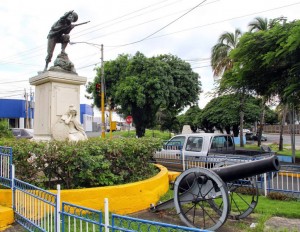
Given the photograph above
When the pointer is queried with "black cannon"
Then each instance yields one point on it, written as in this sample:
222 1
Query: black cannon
203 200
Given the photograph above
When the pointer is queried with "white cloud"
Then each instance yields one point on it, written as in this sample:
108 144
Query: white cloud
25 25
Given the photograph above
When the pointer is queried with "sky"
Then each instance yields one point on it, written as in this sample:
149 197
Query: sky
187 29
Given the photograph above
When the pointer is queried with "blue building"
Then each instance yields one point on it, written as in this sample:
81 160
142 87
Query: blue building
21 115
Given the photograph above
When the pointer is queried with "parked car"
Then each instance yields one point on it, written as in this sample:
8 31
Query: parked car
251 136
263 137
21 133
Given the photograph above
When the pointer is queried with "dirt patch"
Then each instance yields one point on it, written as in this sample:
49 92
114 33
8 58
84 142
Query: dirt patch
272 225
282 224
171 218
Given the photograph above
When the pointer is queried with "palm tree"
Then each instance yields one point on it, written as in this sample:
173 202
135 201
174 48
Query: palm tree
263 24
220 60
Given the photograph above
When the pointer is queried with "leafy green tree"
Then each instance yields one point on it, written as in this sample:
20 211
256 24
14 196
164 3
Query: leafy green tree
269 61
140 86
191 117
223 113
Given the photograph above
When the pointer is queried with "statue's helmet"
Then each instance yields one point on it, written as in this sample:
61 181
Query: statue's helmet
75 16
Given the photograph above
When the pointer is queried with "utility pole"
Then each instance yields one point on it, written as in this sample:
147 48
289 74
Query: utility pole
31 108
26 109
103 127
102 96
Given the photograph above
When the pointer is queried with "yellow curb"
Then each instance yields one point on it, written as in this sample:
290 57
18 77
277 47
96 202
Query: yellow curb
173 175
6 217
123 199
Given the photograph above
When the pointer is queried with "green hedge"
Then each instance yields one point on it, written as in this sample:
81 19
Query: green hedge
92 163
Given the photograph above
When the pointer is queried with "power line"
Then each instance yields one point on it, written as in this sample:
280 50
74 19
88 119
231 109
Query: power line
148 37
138 41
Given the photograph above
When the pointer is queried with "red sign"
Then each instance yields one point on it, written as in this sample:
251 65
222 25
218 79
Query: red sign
129 119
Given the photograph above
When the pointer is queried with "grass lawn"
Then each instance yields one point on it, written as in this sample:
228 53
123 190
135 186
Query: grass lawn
266 206
286 149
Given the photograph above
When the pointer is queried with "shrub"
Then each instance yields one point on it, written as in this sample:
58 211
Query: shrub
4 129
92 163
279 196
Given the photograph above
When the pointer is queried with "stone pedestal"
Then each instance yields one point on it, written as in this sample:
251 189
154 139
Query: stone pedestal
54 93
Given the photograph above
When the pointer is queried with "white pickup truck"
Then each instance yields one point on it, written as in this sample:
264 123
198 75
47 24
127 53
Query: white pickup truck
202 147
200 144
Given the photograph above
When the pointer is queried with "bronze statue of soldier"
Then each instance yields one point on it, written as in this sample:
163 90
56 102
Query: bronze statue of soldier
59 33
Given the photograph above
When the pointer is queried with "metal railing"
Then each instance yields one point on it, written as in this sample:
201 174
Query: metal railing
286 181
78 218
35 209
5 166
124 223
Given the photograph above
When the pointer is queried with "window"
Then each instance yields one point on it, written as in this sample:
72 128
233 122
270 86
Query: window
194 144
175 143
222 143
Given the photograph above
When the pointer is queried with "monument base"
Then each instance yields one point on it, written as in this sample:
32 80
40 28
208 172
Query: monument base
55 92
40 138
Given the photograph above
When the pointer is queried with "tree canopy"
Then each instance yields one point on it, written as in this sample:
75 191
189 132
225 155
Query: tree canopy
223 113
140 86
269 61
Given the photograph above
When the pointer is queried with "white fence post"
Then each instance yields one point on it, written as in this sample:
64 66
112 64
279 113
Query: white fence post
183 159
265 184
12 186
106 215
58 209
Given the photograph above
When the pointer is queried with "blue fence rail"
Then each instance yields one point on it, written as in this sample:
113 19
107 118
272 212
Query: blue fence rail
77 218
35 209
128 224
5 166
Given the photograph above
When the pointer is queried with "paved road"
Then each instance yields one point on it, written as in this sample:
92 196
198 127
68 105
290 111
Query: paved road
274 138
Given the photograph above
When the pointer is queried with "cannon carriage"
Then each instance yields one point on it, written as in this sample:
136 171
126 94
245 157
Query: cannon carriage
205 198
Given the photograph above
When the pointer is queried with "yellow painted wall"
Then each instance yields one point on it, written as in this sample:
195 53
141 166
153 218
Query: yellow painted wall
123 199
5 197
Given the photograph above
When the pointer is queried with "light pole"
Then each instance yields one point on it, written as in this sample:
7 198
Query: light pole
102 86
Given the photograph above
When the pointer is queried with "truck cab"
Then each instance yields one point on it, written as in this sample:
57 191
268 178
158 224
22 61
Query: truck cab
199 144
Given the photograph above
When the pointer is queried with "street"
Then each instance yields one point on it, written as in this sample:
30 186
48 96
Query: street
274 138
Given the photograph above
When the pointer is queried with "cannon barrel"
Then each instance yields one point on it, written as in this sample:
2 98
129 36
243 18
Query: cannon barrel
248 169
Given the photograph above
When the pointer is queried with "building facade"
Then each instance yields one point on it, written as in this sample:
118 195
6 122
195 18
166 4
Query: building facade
20 113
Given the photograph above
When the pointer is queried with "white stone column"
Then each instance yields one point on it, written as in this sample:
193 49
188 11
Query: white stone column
54 93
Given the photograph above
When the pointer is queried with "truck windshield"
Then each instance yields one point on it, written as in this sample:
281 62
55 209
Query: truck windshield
175 143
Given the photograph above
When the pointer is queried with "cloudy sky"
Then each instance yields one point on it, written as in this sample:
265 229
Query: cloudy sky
187 29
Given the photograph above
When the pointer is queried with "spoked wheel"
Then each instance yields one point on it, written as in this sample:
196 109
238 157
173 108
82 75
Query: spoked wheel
243 195
194 190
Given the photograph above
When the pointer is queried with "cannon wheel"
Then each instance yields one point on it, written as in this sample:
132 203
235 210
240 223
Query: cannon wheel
243 195
194 190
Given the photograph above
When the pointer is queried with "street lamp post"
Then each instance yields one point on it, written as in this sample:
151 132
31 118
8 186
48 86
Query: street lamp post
102 86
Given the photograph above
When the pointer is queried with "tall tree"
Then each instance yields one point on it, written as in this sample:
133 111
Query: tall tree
220 59
263 24
140 86
222 62
268 61
223 113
